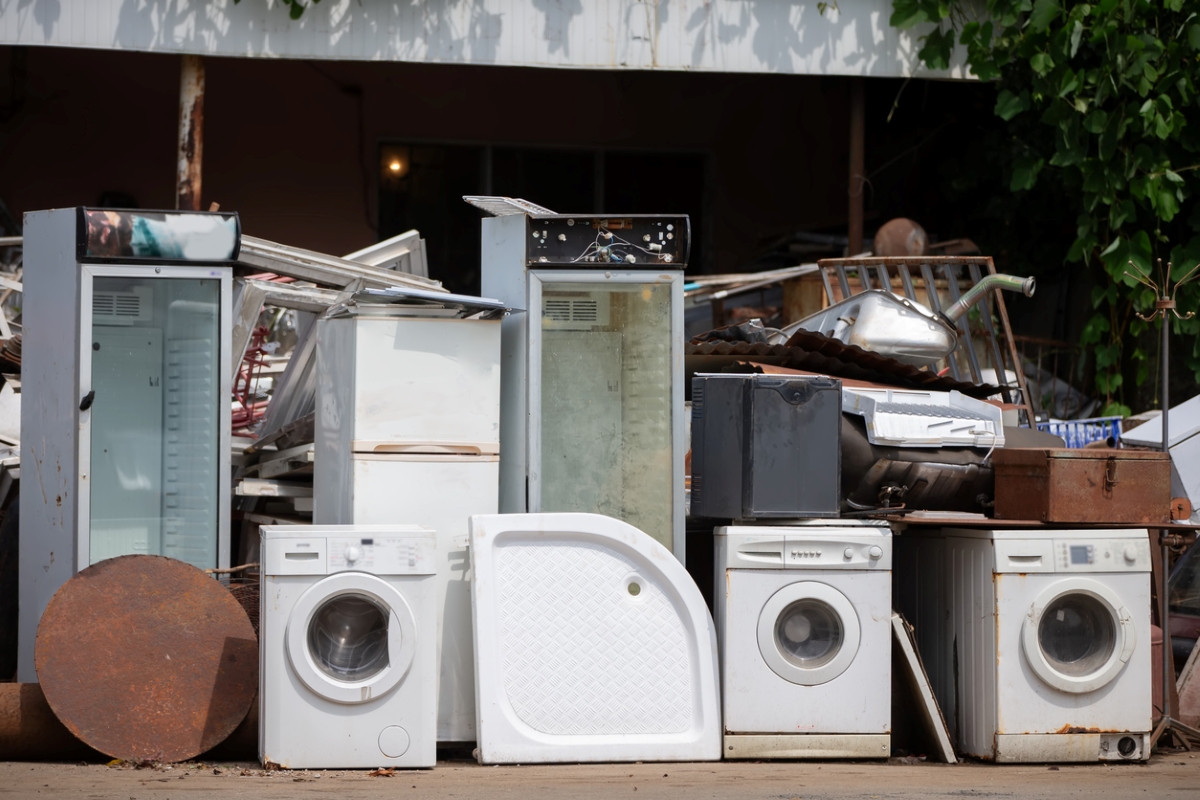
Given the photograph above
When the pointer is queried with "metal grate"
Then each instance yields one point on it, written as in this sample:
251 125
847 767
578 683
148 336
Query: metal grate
572 310
958 273
575 313
121 305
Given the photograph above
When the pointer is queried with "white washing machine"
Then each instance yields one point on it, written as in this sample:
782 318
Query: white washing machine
803 616
348 646
1037 642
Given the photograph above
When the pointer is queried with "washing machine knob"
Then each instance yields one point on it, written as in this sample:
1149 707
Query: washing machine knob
1131 553
849 552
876 552
353 553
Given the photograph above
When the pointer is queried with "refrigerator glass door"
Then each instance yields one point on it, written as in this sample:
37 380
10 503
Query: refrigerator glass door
602 398
151 475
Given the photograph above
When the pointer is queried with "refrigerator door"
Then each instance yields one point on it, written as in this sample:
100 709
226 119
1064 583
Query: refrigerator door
440 493
154 415
392 384
606 398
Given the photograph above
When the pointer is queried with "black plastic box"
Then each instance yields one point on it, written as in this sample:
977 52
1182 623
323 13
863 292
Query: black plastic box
766 446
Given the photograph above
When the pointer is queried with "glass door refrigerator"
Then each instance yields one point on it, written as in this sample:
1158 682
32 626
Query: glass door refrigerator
125 379
592 380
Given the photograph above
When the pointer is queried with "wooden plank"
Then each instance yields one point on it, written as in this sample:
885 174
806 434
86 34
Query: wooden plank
294 460
918 682
802 297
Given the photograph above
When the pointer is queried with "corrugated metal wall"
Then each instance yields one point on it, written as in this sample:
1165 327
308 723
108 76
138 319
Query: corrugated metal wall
758 36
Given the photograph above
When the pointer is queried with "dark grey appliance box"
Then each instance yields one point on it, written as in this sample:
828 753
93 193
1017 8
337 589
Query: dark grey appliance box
766 446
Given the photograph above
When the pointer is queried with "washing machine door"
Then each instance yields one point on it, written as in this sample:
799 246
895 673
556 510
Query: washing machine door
808 633
1078 635
351 637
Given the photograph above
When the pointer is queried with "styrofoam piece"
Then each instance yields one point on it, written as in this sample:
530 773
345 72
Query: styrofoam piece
592 643
915 418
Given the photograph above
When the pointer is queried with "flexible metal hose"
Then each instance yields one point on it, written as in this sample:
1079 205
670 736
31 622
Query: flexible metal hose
1010 282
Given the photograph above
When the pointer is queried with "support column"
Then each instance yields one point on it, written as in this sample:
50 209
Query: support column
191 133
857 165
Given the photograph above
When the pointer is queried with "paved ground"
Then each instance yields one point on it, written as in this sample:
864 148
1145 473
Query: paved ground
1165 777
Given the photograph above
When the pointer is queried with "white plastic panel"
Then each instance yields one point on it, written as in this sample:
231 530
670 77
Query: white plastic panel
411 381
914 418
592 644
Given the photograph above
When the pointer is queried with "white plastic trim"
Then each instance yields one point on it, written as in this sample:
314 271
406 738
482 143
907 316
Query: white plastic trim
851 633
402 632
541 697
1124 631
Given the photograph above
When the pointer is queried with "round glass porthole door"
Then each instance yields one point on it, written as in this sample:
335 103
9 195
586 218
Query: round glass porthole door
1077 635
351 637
348 637
808 633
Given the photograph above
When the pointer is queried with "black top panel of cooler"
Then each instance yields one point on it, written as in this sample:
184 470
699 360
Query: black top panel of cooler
629 241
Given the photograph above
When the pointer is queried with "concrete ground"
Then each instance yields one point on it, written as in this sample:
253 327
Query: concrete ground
1165 776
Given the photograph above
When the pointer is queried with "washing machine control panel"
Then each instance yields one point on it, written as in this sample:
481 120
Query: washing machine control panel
1104 555
381 555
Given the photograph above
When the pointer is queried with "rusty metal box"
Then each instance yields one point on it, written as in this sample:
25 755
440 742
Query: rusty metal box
1091 486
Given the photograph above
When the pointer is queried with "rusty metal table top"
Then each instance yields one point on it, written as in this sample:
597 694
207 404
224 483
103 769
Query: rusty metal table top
146 658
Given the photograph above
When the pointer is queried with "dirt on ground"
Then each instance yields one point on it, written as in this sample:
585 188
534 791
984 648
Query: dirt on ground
1164 776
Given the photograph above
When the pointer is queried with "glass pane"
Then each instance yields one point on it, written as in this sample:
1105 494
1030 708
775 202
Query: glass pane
808 633
154 435
606 403
1077 634
348 638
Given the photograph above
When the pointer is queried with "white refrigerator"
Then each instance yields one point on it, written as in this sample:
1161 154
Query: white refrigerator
408 431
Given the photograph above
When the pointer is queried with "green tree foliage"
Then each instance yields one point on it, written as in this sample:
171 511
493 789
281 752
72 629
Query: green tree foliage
1100 102
296 8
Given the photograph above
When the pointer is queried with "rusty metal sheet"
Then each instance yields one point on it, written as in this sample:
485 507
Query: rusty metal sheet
816 352
146 658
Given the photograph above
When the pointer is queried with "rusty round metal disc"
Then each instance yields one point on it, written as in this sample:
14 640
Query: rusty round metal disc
147 658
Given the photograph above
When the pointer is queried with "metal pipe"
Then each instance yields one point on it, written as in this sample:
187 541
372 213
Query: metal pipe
29 730
1010 282
858 178
191 133
1164 614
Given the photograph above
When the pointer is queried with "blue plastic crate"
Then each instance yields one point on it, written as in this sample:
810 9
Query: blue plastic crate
1079 433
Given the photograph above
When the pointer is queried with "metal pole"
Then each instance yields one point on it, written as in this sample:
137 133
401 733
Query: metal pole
191 133
857 165
1168 670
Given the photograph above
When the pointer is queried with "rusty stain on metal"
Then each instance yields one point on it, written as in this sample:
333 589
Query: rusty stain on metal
191 133
1068 728
146 658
